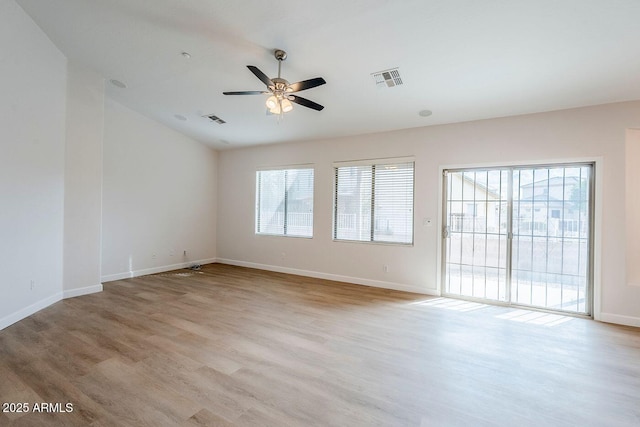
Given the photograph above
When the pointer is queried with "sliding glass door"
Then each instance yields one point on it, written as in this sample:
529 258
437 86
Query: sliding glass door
519 235
476 233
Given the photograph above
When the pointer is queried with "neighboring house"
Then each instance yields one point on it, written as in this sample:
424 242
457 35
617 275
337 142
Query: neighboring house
473 206
555 207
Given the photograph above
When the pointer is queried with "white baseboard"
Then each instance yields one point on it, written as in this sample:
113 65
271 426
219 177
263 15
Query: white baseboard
334 277
29 310
71 293
619 319
117 276
154 270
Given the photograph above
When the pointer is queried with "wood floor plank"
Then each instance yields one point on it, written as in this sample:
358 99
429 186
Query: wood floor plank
229 346
206 418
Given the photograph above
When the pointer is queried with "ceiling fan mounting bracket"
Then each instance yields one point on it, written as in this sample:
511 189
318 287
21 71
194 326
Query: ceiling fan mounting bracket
280 54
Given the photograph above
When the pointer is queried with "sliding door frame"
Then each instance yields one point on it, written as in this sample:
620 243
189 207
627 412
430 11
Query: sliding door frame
593 292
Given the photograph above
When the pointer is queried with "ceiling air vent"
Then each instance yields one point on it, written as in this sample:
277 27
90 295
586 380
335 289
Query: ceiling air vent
216 119
387 78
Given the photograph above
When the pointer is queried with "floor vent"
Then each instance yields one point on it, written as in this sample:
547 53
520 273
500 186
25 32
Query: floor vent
216 119
387 78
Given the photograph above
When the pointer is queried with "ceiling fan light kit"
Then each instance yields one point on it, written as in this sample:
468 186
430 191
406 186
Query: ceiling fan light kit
280 91
278 105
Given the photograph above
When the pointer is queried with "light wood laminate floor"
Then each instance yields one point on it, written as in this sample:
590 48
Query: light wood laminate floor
236 346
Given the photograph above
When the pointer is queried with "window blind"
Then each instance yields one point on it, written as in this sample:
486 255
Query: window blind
374 202
284 202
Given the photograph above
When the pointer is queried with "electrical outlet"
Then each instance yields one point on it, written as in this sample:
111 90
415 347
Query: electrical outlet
385 268
184 253
153 256
33 284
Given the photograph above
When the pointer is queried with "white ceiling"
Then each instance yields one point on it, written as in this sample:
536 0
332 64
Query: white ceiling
462 59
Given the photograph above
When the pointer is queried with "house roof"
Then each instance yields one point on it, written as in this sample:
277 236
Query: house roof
463 60
554 182
478 185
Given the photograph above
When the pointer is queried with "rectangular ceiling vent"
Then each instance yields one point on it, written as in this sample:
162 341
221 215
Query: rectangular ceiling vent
387 78
216 119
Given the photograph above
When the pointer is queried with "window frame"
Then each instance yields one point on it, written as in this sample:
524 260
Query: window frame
285 199
373 163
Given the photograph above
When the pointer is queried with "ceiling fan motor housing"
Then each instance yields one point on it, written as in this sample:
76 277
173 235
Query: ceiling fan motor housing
280 87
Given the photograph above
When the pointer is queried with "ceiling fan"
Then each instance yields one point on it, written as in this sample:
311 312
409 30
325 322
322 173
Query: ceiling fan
280 91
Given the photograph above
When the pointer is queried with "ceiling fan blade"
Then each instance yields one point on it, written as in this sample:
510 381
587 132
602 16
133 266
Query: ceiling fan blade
306 84
262 76
305 102
246 92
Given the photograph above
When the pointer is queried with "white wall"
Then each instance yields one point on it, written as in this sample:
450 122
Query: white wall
632 212
32 140
159 197
83 181
594 132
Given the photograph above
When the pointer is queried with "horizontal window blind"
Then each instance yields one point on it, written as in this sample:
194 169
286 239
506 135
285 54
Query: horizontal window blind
374 202
284 202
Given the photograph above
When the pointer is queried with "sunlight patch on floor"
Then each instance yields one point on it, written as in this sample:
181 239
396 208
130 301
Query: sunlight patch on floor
535 317
451 304
516 315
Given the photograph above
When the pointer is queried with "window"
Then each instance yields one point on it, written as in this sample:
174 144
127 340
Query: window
284 202
374 201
